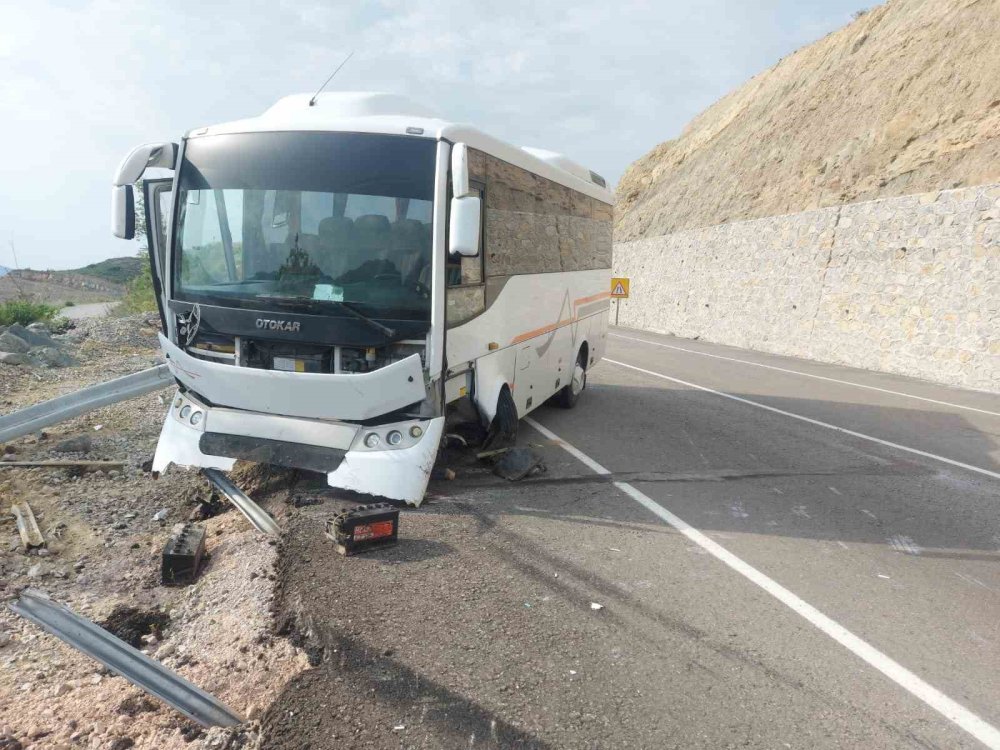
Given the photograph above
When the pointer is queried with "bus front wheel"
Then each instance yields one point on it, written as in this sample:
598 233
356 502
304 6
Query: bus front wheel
570 393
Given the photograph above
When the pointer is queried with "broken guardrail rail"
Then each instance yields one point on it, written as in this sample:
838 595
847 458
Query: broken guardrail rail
122 659
253 512
56 410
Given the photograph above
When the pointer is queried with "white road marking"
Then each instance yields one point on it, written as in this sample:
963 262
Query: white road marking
950 709
976 581
904 544
869 514
835 491
818 423
807 375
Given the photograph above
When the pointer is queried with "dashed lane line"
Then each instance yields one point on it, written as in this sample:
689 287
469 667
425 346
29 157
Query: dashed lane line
810 420
950 709
806 374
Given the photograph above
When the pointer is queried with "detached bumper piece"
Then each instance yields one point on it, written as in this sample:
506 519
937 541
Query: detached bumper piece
364 528
182 555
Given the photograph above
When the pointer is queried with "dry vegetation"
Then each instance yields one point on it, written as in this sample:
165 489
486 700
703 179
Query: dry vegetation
905 99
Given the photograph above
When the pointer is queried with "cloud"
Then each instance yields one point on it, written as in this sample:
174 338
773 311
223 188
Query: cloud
602 82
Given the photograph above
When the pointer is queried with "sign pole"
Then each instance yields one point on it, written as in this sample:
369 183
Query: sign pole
619 289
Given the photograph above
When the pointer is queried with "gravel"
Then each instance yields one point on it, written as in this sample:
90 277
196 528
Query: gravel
104 532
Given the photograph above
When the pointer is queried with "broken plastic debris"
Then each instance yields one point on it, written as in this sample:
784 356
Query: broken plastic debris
572 671
97 427
160 515
595 606
518 463
614 549
399 727
882 576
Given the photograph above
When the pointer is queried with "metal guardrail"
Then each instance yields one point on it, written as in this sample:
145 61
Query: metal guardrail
124 660
56 410
254 513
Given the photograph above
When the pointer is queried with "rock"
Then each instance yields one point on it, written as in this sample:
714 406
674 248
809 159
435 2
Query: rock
61 689
121 743
37 570
5 639
76 444
14 358
14 344
51 357
31 336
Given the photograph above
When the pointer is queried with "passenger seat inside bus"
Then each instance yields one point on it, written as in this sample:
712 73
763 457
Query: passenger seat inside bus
410 249
336 245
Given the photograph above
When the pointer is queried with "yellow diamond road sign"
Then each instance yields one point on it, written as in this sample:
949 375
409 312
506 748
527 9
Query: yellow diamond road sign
619 288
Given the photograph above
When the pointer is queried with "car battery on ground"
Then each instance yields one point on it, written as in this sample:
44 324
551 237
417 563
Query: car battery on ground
364 528
182 554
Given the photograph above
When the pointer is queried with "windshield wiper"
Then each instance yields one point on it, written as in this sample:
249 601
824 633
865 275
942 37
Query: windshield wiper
384 330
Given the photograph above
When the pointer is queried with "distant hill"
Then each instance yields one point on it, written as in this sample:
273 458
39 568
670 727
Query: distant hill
115 270
4 270
903 100
98 282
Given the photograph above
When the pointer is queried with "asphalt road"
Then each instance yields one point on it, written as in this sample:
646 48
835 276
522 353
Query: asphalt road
785 554
88 310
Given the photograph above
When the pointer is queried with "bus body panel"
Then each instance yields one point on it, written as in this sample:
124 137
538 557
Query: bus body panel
539 299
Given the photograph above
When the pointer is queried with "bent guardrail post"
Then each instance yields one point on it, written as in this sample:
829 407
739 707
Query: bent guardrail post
253 512
56 410
122 659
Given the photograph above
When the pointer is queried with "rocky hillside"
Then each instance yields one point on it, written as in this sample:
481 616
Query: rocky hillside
905 99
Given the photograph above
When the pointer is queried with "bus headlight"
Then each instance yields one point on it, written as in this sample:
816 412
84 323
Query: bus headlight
394 438
372 440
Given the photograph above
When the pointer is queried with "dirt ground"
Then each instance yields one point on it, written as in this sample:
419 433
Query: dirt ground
462 635
103 552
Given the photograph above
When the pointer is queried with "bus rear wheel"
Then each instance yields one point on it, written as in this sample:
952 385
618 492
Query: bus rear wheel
570 393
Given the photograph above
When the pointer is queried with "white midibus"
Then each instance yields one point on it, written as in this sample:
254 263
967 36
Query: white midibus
335 273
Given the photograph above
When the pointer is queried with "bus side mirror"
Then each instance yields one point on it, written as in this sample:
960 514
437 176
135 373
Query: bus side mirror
464 226
131 169
123 212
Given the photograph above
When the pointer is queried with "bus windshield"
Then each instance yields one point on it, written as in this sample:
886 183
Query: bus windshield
311 222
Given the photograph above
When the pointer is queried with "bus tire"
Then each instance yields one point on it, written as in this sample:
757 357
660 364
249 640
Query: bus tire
569 394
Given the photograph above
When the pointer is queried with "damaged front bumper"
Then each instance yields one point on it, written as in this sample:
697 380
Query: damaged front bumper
391 460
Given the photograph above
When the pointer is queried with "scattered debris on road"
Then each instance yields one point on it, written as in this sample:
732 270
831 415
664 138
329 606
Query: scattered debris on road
123 659
364 528
253 512
82 465
27 526
182 555
517 463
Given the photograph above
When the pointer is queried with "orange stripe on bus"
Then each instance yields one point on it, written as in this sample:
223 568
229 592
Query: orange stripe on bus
541 331
553 326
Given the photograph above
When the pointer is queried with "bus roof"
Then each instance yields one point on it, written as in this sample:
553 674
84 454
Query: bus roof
374 112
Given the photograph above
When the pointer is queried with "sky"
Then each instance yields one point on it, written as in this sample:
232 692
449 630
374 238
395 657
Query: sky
83 81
